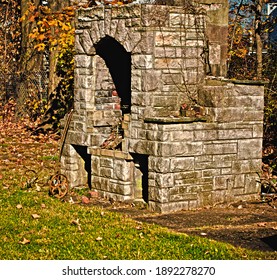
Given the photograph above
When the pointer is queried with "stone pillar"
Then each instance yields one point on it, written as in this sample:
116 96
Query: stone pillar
217 35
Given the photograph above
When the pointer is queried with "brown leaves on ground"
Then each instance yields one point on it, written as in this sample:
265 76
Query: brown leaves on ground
78 224
35 216
18 128
26 161
24 241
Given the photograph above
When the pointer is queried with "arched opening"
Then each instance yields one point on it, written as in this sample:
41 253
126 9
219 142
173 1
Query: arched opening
118 61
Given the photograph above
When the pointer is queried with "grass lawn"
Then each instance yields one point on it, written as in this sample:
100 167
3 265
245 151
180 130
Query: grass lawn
36 226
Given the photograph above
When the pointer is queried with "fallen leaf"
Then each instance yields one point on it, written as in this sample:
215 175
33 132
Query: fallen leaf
261 224
24 241
85 200
35 216
93 194
77 223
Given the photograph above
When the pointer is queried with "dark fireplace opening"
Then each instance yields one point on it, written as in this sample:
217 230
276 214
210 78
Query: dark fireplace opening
85 164
118 61
141 190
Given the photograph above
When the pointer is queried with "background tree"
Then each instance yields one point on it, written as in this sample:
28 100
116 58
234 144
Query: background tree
252 56
10 41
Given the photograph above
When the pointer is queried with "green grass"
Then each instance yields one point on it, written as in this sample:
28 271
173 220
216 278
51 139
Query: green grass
76 232
96 233
51 158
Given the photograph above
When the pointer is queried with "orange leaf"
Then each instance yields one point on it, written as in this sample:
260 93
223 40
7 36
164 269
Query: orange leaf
24 241
41 37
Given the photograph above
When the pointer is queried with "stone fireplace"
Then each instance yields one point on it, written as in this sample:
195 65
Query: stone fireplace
154 118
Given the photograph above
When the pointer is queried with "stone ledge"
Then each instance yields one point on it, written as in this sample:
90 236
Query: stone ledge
219 81
109 153
174 120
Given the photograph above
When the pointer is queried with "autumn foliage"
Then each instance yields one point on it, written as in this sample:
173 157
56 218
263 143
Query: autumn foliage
10 36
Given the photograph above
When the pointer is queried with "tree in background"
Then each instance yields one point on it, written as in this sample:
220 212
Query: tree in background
10 43
47 34
253 57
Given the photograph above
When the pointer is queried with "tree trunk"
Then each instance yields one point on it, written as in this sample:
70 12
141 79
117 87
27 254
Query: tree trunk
259 43
30 59
55 6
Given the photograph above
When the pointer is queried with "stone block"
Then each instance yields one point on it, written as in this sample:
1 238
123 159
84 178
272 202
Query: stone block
229 114
220 148
159 164
84 82
200 135
120 188
182 194
167 39
145 45
224 161
187 175
258 130
106 172
251 90
182 135
250 148
180 149
142 61
162 101
169 207
106 162
176 20
163 52
252 116
157 136
87 43
164 180
143 147
182 164
151 80
79 127
213 96
126 12
255 103
223 182
168 63
154 16
211 172
193 76
195 43
82 61
95 33
122 170
252 185
246 166
161 195
235 133
136 82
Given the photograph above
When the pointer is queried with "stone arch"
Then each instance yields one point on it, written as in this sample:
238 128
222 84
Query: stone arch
118 61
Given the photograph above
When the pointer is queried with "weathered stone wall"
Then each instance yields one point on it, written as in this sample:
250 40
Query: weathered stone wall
204 163
170 161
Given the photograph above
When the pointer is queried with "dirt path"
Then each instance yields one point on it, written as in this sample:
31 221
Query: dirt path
248 225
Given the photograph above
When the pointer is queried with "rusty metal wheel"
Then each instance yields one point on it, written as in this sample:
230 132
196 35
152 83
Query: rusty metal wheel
58 185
